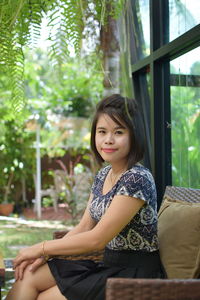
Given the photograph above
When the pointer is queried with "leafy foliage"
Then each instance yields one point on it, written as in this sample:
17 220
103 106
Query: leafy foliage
20 23
17 19
66 21
17 160
77 87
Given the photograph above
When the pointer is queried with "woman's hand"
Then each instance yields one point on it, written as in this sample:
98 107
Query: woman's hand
28 254
19 270
33 265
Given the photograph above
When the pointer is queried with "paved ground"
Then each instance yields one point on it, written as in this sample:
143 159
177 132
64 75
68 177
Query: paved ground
48 213
49 219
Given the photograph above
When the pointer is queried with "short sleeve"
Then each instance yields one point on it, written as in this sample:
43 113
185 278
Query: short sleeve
94 183
138 182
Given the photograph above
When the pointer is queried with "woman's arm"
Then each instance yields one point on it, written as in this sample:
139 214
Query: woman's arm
86 223
117 216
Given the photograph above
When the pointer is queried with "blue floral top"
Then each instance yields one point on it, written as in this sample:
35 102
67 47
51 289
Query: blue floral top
141 232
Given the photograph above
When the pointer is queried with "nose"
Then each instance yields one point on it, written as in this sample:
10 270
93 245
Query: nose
109 139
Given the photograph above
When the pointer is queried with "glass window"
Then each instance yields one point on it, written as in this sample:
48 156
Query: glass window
142 94
185 116
184 14
140 22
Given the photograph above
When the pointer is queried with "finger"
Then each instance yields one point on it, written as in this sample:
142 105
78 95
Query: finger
28 253
16 261
19 270
21 256
22 267
16 274
36 264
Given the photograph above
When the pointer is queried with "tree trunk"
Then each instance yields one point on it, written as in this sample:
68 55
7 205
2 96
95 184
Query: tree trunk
7 188
109 44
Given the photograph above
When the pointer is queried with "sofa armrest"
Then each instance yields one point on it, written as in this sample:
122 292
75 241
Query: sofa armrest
59 234
152 289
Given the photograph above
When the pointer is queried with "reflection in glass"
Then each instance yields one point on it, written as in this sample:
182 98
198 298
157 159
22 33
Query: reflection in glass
185 116
145 23
140 22
184 14
142 89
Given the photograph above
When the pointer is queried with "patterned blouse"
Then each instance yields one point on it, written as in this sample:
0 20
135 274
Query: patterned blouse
141 232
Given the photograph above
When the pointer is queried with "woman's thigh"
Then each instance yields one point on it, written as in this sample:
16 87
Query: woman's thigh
51 294
32 284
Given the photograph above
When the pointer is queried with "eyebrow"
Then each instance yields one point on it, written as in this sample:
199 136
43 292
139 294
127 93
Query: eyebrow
117 127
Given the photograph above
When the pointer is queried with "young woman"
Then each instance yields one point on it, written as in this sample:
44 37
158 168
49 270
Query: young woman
121 217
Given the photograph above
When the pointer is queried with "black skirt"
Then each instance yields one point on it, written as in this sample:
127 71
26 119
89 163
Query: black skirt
86 279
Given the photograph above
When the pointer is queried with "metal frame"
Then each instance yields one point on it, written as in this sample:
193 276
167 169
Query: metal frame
161 52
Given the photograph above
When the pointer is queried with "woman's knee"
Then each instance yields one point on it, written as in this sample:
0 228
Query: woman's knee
41 279
30 280
51 294
28 277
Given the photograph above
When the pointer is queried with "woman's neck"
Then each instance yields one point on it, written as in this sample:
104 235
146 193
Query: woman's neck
118 169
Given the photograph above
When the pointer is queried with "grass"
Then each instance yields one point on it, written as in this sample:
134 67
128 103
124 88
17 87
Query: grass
14 235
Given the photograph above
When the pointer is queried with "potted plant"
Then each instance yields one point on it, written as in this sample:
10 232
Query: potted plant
6 206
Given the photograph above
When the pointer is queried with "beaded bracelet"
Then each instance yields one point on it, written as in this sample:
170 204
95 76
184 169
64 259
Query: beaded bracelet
46 257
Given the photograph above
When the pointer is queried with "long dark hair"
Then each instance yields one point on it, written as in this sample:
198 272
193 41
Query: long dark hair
122 111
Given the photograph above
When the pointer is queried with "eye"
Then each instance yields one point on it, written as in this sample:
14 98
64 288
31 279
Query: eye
101 131
118 132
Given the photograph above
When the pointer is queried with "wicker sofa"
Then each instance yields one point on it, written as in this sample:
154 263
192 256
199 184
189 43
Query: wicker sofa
183 282
152 289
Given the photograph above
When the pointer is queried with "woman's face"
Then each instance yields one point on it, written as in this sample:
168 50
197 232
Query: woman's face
112 140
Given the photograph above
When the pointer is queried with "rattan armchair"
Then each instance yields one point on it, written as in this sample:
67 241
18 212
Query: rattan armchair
183 194
152 289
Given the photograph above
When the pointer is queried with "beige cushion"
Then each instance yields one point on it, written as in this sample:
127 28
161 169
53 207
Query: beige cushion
179 238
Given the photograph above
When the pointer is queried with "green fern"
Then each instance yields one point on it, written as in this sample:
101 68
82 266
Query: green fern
17 83
20 23
16 19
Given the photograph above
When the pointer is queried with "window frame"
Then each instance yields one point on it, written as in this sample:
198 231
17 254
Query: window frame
161 53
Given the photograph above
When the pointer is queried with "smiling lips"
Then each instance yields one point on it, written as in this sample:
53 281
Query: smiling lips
108 150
